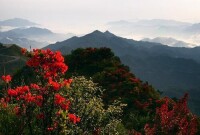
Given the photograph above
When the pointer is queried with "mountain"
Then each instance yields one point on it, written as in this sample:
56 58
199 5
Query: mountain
149 28
96 39
169 41
32 36
31 31
163 22
139 29
122 46
10 59
173 70
17 22
194 29
26 32
22 42
151 23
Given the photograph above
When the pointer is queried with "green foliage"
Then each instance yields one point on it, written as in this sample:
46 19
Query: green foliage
86 102
85 97
93 105
24 76
90 61
11 59
9 122
136 121
117 80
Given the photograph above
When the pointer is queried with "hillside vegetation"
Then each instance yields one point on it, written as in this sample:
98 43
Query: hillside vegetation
172 70
11 59
145 109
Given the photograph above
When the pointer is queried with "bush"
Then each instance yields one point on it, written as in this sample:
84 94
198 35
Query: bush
50 106
86 101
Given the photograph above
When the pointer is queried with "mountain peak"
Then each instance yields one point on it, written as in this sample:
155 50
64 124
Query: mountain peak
32 31
97 32
170 42
17 22
105 34
108 33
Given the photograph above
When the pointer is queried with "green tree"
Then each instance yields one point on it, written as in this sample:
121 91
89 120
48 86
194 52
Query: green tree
86 102
119 83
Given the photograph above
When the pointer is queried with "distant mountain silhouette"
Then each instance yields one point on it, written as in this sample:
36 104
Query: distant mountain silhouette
32 36
169 41
157 28
173 70
97 39
17 22
193 29
152 23
26 32
22 42
123 46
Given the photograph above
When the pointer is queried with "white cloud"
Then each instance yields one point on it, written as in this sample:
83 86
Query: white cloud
76 14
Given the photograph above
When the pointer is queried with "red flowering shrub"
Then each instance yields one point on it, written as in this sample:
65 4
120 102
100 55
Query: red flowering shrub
38 104
73 118
6 78
173 118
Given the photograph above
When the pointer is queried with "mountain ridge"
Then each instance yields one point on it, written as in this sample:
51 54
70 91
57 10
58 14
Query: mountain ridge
152 62
32 36
17 22
170 42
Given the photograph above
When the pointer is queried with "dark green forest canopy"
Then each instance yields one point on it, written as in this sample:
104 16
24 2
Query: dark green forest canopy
115 78
118 83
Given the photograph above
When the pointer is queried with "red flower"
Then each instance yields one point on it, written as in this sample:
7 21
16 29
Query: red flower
67 82
29 98
17 110
51 63
22 90
35 86
65 106
39 100
58 113
3 103
33 100
55 85
173 118
73 118
12 93
59 99
50 128
135 80
78 119
40 116
6 78
23 50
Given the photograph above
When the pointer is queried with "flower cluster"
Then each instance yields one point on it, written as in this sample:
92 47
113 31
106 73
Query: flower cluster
60 101
73 118
6 78
47 62
23 93
173 117
44 98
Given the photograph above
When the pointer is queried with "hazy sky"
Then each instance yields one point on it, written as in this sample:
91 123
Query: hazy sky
81 16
